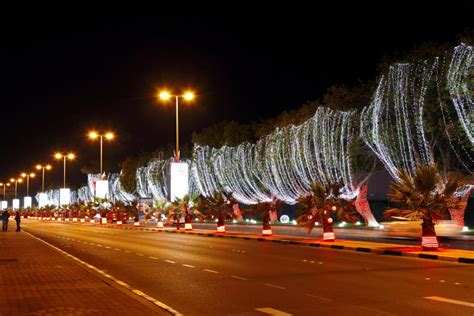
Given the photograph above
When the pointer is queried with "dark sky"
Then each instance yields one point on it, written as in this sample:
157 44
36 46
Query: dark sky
62 75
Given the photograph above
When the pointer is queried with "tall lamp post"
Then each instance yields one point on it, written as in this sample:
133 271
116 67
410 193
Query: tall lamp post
28 176
108 136
43 168
60 156
43 197
64 193
187 96
16 202
4 204
27 200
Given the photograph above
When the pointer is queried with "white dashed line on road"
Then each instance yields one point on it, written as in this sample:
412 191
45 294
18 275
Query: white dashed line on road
107 247
116 249
153 258
139 254
272 311
275 286
239 278
188 266
211 271
448 300
169 261
319 297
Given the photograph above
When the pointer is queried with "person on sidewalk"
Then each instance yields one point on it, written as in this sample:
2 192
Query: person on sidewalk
5 218
18 220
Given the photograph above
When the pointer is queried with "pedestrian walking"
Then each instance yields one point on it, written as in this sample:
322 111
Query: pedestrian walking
18 220
5 218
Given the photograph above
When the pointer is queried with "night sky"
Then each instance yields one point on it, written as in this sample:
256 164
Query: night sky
61 76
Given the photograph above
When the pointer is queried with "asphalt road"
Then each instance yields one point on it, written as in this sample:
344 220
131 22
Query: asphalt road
215 276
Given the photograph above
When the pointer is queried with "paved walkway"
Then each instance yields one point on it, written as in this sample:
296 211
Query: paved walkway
38 280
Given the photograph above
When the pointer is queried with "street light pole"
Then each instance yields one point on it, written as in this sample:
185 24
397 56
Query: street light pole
64 176
165 96
101 152
69 156
177 129
42 168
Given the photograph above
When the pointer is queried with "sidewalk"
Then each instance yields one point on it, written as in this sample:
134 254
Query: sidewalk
38 280
444 254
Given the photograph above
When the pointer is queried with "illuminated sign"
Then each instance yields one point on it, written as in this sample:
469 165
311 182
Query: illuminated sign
16 204
64 196
179 180
43 200
102 189
27 202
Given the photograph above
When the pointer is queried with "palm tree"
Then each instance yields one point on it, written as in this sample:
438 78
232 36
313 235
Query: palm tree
265 210
159 208
218 206
425 197
187 206
321 204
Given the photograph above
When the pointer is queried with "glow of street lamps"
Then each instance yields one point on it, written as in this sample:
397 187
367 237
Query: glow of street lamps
94 135
42 168
164 95
69 156
187 96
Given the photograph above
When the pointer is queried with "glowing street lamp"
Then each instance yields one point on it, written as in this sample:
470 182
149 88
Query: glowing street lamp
108 136
27 176
69 156
42 168
166 96
16 181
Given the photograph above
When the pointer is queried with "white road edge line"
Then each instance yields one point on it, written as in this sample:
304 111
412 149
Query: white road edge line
147 297
275 286
272 311
211 271
239 278
448 300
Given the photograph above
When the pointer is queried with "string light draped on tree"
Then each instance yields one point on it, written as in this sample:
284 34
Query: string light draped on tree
458 113
392 125
283 164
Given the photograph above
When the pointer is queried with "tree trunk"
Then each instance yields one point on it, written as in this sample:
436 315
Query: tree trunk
267 229
363 207
220 224
187 221
328 232
429 242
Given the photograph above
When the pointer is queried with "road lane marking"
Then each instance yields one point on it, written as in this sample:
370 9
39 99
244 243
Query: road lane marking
169 261
211 271
319 297
272 311
427 279
107 247
139 254
188 266
127 251
239 278
457 283
117 281
275 286
153 258
116 249
442 281
448 300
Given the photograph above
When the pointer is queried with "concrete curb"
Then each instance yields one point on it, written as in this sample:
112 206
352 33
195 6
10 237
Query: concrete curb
292 242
